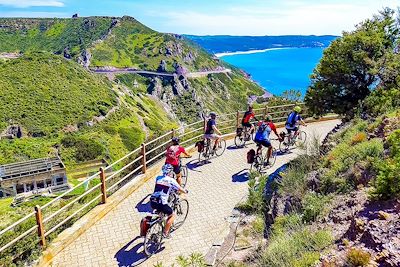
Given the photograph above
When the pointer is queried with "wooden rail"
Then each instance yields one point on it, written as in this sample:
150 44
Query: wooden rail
54 215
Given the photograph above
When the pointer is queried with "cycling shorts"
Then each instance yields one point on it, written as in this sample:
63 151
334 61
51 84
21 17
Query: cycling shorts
177 168
246 124
164 208
265 143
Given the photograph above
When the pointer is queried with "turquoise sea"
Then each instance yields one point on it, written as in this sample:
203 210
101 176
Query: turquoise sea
279 70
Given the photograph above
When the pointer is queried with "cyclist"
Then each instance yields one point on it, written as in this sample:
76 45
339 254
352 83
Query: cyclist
212 131
293 121
159 200
262 136
172 157
248 115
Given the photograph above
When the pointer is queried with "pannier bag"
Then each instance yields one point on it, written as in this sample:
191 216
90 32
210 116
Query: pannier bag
250 156
144 225
239 131
200 146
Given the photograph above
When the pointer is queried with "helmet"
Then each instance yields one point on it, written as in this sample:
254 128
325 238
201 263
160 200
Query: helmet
213 114
175 140
297 109
167 169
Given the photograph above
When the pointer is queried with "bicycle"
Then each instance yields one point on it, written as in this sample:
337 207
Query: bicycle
243 135
260 160
184 172
298 139
208 151
154 235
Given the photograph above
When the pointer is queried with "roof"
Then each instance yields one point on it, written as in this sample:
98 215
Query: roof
30 168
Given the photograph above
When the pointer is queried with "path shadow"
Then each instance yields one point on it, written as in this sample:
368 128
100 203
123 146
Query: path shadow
194 164
234 147
144 207
132 254
241 177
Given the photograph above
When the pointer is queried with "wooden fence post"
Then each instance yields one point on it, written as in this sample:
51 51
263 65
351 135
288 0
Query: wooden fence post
144 158
265 112
103 186
172 133
237 119
39 222
204 124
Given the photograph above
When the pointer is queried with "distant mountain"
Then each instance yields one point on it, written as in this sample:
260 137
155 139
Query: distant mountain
225 43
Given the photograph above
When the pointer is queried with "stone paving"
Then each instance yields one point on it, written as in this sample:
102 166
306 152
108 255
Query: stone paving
214 190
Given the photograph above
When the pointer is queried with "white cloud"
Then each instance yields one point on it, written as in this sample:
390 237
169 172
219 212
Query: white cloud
32 3
287 17
32 14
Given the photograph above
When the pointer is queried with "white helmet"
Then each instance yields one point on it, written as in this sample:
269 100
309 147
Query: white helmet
167 169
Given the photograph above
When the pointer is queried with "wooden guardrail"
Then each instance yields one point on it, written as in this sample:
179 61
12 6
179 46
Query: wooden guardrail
46 221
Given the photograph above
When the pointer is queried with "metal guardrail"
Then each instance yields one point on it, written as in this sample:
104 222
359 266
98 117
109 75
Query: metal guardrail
55 215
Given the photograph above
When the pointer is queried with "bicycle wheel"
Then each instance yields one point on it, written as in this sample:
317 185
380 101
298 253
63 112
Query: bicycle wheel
239 141
184 175
220 147
284 145
153 239
301 138
258 163
181 209
272 159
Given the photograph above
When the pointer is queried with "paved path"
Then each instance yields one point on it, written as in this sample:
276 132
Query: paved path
215 188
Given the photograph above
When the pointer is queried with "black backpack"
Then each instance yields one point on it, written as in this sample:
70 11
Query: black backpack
250 156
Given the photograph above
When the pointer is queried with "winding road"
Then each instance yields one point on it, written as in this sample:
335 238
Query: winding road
157 73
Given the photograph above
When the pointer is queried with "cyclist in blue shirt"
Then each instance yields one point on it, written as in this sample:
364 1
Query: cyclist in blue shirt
293 121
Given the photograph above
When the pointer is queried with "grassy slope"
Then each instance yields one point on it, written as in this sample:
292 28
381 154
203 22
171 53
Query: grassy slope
53 35
131 44
44 93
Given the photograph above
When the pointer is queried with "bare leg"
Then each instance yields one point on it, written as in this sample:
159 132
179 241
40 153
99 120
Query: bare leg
269 153
168 224
216 143
179 178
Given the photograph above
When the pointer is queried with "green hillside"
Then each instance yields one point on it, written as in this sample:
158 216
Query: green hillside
132 45
44 93
53 35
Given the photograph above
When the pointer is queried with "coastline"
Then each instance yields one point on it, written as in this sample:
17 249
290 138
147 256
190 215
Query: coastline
219 55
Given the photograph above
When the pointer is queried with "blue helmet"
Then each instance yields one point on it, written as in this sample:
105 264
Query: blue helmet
167 169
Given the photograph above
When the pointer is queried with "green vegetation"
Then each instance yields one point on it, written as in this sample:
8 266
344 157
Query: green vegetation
292 244
52 35
358 258
134 45
355 64
44 93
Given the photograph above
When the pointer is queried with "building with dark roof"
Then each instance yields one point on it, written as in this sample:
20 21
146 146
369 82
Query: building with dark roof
33 176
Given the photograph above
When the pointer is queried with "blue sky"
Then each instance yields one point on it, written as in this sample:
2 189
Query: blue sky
234 17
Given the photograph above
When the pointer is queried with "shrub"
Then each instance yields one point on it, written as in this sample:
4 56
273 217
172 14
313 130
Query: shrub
359 138
85 149
299 248
387 182
313 205
357 257
131 137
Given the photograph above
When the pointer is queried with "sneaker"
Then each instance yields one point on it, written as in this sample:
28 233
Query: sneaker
167 236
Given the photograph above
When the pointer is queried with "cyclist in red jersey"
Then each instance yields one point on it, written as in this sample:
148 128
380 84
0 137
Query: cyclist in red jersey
172 157
248 115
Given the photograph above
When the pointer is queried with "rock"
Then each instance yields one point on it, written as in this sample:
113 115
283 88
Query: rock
162 67
313 181
67 53
84 59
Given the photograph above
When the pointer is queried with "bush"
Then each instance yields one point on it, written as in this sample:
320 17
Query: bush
131 137
357 257
85 149
313 205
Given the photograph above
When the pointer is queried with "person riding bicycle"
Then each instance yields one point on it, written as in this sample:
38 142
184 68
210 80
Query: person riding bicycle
293 121
262 136
248 115
172 157
159 200
212 131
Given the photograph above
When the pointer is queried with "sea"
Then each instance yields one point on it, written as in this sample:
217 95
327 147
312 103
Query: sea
277 69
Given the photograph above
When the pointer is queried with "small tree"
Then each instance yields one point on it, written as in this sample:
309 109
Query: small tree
353 65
